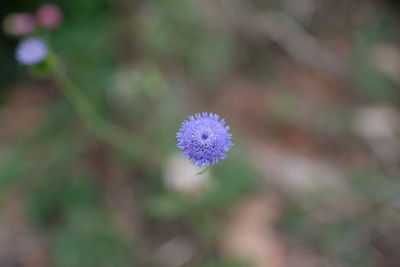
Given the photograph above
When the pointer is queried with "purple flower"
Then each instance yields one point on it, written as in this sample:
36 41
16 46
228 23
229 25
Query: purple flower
204 139
31 51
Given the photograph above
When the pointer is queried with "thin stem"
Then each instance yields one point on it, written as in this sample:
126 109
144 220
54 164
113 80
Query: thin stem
203 171
104 131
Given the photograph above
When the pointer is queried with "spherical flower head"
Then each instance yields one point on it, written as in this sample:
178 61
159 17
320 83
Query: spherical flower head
204 139
49 16
31 51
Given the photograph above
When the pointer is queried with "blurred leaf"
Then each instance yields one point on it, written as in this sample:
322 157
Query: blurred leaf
371 83
12 167
89 240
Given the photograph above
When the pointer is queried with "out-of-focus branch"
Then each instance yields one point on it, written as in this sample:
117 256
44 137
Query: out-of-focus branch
104 131
299 44
280 28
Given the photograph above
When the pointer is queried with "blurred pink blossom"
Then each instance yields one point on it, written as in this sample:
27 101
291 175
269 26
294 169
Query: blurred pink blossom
49 16
19 24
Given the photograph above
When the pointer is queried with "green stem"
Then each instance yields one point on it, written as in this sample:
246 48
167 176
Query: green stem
203 171
104 131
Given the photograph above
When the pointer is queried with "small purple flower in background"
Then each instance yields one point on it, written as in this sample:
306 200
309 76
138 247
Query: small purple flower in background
204 139
31 51
49 16
19 24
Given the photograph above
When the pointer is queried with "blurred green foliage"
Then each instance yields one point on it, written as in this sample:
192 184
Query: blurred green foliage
372 83
185 39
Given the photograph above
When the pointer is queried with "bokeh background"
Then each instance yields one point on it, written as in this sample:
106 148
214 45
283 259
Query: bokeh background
310 89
